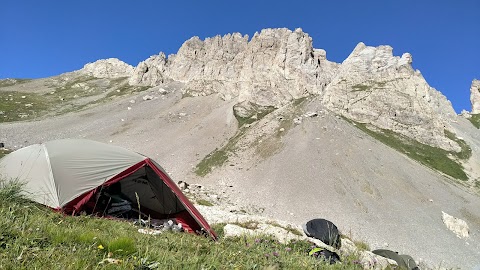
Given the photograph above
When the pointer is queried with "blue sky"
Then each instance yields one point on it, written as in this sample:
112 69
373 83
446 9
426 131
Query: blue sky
47 38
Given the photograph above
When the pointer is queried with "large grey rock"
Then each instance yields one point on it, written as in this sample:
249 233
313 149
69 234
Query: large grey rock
373 86
456 225
108 68
475 96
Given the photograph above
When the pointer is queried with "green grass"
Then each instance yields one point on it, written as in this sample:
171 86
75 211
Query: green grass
432 157
475 119
361 245
204 202
257 113
4 152
16 106
215 159
219 156
64 98
35 237
360 87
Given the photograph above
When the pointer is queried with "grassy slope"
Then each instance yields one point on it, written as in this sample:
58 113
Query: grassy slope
475 119
63 98
432 157
4 152
34 237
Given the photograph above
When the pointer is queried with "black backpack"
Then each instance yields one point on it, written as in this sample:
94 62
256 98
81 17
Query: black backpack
324 231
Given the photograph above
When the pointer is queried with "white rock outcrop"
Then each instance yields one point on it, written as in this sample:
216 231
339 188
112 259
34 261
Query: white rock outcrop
475 96
273 68
108 68
373 86
279 65
456 225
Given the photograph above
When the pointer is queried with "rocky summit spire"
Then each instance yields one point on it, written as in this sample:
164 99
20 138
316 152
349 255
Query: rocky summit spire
475 96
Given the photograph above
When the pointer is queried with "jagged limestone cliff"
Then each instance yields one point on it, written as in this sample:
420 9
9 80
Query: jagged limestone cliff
373 86
279 65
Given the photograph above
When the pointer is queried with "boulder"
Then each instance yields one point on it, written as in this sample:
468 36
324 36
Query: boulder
456 225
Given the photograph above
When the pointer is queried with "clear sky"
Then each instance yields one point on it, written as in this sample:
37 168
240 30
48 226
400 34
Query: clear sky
47 38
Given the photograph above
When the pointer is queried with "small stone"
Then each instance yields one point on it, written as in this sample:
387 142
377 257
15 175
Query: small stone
297 121
282 130
24 96
129 108
310 114
162 91
147 97
132 101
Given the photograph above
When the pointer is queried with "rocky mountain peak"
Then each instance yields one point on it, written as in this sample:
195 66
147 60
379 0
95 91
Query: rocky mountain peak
108 68
475 96
373 86
277 66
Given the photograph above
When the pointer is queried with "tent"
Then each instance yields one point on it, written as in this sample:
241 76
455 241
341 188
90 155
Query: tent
68 174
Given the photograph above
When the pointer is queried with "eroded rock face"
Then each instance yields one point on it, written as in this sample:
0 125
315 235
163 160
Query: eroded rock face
373 86
276 66
108 68
475 96
279 65
150 72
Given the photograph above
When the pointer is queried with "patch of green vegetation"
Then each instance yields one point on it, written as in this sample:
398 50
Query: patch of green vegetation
121 87
381 84
76 88
35 237
11 82
299 101
477 184
218 157
360 87
475 120
251 225
16 106
215 159
204 202
257 112
4 152
466 151
432 157
361 245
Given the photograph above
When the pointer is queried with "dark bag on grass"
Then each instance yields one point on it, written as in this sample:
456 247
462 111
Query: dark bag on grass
324 231
403 261
325 255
